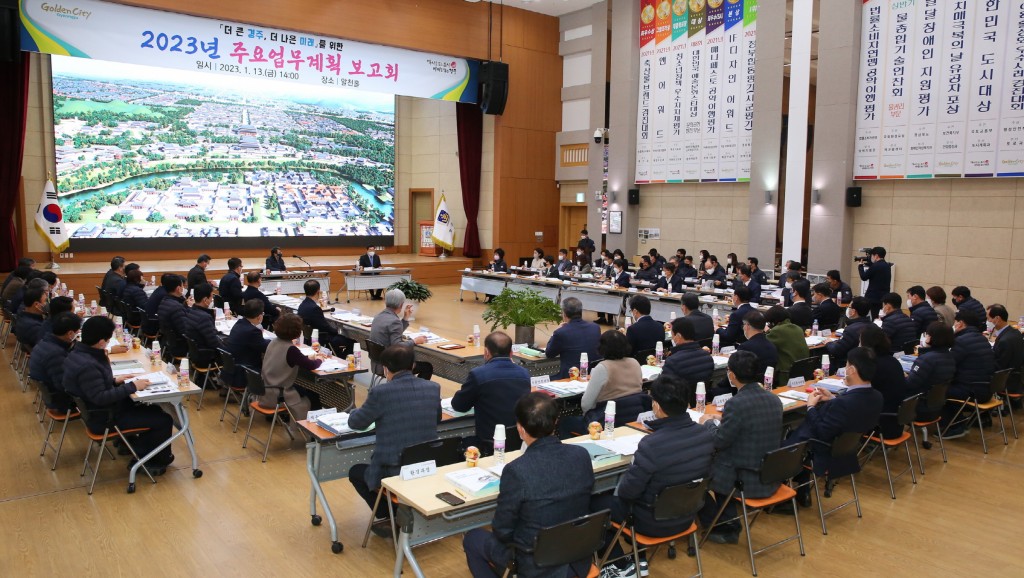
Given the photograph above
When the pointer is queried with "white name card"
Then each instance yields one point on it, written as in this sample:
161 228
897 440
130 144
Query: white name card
826 333
796 382
312 415
540 380
419 470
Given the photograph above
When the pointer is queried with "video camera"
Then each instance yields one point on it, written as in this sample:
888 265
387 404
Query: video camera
866 257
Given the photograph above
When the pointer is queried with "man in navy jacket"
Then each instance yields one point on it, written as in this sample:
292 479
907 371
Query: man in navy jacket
246 342
878 274
920 310
230 286
47 363
857 319
964 302
254 280
900 328
1008 347
492 390
645 332
173 318
312 315
688 360
733 332
573 337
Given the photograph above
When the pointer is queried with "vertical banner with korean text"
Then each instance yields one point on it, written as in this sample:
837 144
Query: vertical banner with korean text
645 103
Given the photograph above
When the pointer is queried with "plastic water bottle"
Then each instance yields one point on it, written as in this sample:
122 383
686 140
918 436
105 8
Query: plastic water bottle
118 327
814 328
659 352
769 376
154 353
81 301
93 308
825 365
357 352
629 321
183 373
584 366
716 344
499 444
476 335
609 420
714 316
277 288
314 340
701 393
1020 323
924 340
227 311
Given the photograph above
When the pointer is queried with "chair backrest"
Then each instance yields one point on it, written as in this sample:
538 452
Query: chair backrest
87 413
374 350
444 452
705 342
999 379
846 444
227 361
307 333
133 316
783 464
908 410
641 356
513 441
44 391
101 296
681 500
936 396
570 541
908 347
804 368
254 381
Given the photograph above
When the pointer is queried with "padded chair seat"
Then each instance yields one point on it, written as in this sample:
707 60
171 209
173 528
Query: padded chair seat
113 433
927 423
256 406
58 416
988 405
893 442
654 541
783 494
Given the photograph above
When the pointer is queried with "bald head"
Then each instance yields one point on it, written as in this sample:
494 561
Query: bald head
498 344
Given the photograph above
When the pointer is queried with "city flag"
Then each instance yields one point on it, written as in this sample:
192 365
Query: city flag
444 229
50 219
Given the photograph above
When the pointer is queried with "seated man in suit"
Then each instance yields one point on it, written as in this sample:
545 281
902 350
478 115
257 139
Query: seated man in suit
964 302
687 359
573 337
48 356
173 318
311 313
703 324
230 286
201 326
800 312
619 277
254 280
548 484
28 328
648 272
151 326
921 311
685 268
856 320
197 274
246 342
678 451
714 272
406 411
275 262
371 260
564 265
87 375
840 289
895 323
826 311
757 343
828 417
645 332
1008 345
491 390
750 427
113 282
732 334
743 277
670 281
388 328
756 273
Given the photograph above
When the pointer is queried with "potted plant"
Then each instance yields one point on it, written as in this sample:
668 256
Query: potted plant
524 308
414 291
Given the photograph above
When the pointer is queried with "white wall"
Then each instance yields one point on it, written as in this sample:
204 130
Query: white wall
710 216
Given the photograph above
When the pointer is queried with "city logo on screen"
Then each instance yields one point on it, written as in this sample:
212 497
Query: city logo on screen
65 12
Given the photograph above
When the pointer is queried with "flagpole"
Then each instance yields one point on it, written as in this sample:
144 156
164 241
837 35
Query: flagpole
53 264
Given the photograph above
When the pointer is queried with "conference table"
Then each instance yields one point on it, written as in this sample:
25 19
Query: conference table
292 281
367 278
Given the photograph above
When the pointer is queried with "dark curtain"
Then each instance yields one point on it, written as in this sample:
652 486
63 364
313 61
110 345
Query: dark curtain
470 121
13 112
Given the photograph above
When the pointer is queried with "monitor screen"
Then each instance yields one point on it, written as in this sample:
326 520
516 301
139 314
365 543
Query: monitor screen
175 159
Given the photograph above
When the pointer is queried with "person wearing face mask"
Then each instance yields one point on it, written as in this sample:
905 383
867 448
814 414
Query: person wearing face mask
704 325
371 260
647 271
687 359
920 311
756 273
275 262
28 329
47 362
936 297
714 272
619 277
964 302
790 272
685 268
856 321
731 264
757 342
173 317
497 264
564 265
788 339
1008 345
901 329
645 332
582 263
586 244
603 265
704 256
975 363
670 281
826 311
840 289
878 274
934 363
732 333
889 379
787 281
200 326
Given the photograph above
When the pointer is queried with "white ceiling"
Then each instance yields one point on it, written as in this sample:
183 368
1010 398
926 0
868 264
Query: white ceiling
549 7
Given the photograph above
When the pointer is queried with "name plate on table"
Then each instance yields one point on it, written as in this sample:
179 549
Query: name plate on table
796 382
539 380
517 346
419 470
826 333
313 415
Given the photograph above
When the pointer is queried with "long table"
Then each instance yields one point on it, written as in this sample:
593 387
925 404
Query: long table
292 281
366 279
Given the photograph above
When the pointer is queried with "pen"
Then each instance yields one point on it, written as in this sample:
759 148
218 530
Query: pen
459 492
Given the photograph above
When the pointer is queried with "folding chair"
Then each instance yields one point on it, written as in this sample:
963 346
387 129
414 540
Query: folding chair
443 452
102 439
254 389
641 356
846 444
804 368
930 415
671 503
55 417
904 417
1009 397
150 327
997 384
133 317
374 350
564 543
203 365
777 467
5 328
235 393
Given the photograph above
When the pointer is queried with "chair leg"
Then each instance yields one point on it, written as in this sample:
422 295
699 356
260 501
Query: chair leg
888 472
85 463
696 552
942 444
799 533
99 460
636 551
917 449
373 512
856 498
227 400
910 462
981 428
245 440
202 394
60 443
241 405
1002 426
270 436
1013 424
46 438
746 530
817 500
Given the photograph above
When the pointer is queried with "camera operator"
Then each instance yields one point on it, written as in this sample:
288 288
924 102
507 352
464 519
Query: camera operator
878 273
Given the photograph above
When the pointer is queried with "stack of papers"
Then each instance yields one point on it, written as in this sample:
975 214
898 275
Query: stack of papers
225 325
446 406
336 423
794 395
650 372
130 367
351 317
474 481
814 341
431 337
721 361
159 383
599 453
564 388
625 446
833 385
333 364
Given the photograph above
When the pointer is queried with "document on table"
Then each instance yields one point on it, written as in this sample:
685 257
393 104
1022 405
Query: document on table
333 364
795 395
625 446
159 383
564 388
432 338
446 406
650 372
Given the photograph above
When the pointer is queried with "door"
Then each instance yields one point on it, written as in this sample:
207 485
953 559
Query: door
574 219
421 208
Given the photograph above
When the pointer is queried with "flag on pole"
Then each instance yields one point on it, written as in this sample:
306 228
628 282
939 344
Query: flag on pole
50 219
444 230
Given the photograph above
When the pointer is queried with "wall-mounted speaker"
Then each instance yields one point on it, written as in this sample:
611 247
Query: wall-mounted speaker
493 87
853 196
10 34
634 196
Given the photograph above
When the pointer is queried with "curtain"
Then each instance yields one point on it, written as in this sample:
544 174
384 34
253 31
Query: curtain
470 120
13 112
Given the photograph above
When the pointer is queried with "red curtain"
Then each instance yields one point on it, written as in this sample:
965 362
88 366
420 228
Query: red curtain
13 112
470 122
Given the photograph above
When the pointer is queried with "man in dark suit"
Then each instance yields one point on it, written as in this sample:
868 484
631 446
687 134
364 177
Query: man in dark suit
197 274
28 328
48 356
756 273
254 280
311 313
878 273
586 244
230 286
201 326
743 277
246 342
856 320
757 343
920 310
732 333
670 281
619 276
645 332
371 260
840 289
564 266
491 390
275 262
688 360
548 484
1008 347
714 272
685 268
826 311
828 417
751 426
964 302
703 324
975 363
406 411
900 328
113 281
800 312
173 318
573 337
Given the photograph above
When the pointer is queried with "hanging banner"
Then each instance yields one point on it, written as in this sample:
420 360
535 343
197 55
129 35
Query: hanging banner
695 111
941 89
119 33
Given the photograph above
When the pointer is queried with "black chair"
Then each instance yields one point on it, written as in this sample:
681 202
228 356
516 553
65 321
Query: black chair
904 417
777 467
706 342
844 445
374 351
228 372
254 389
995 385
443 452
804 368
203 365
930 415
55 416
672 503
1010 397
565 543
102 439
513 441
150 327
133 317
642 355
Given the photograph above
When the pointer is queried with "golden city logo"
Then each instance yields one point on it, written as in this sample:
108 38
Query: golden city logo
65 12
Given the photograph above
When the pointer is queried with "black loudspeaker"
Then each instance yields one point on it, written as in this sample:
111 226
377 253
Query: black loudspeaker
634 196
10 35
853 196
493 87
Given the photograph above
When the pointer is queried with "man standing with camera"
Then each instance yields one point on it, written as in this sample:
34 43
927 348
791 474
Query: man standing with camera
878 273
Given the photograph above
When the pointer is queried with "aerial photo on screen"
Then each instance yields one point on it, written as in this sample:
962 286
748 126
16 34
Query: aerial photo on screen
148 152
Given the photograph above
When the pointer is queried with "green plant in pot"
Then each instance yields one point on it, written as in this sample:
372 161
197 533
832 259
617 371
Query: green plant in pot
413 291
524 308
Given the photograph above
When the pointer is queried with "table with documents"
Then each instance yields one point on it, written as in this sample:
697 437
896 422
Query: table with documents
368 278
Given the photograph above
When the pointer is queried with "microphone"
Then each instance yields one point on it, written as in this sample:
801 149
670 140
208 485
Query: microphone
304 261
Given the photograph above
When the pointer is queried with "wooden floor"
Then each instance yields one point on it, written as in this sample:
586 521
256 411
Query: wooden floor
247 518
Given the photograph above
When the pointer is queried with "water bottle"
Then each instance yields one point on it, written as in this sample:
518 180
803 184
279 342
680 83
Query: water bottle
701 393
93 308
609 420
183 373
714 316
1020 323
629 321
277 288
152 280
584 366
924 340
81 301
357 352
227 311
716 344
499 444
659 352
769 375
825 365
668 331
118 327
154 353
314 340
476 335
814 328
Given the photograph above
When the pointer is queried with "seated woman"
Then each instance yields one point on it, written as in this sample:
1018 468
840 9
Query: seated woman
134 290
888 380
617 376
281 365
538 259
